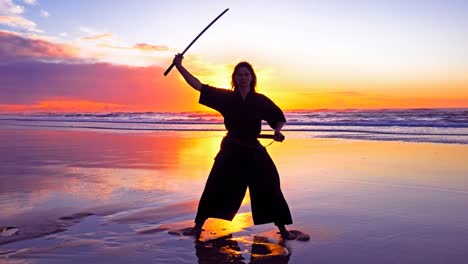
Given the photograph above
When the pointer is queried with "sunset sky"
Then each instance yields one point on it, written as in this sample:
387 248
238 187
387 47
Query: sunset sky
108 55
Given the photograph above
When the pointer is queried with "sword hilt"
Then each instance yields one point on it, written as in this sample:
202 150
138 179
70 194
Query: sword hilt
169 69
270 136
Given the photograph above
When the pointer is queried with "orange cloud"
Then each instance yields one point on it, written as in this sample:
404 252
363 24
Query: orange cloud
14 108
63 105
78 105
148 47
342 94
97 37
29 84
18 22
324 100
92 87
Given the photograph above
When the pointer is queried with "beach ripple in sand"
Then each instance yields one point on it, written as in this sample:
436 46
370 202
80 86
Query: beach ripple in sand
39 229
8 231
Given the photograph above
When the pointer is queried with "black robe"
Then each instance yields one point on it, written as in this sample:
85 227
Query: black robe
242 161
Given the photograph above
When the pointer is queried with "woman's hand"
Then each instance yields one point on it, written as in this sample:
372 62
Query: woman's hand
178 59
278 136
188 77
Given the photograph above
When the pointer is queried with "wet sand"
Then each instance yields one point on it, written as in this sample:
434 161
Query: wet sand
87 196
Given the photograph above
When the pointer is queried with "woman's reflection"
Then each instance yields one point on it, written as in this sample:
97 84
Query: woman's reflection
226 250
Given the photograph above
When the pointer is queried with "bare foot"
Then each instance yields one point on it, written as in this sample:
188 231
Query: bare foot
285 234
300 235
194 231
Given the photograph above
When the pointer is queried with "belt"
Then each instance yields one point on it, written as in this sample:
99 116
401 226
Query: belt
254 144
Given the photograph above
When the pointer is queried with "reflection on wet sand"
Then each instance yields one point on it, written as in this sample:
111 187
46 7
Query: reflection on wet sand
220 250
42 169
227 250
362 199
224 241
217 244
214 228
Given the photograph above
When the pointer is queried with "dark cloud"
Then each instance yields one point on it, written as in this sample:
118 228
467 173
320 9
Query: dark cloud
32 71
14 48
29 82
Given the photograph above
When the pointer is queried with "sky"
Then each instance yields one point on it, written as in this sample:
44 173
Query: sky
107 56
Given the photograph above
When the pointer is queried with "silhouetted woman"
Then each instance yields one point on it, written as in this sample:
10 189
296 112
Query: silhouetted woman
242 161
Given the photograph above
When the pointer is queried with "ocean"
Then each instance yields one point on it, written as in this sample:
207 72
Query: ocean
409 125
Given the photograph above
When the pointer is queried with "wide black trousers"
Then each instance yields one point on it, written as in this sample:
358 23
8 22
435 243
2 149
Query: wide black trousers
236 167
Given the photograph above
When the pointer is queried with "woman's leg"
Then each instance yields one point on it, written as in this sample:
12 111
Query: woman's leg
267 200
224 190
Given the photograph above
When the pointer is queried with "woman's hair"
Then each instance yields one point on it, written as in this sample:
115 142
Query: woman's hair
249 67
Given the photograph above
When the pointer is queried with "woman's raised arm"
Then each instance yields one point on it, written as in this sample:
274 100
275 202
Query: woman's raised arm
189 78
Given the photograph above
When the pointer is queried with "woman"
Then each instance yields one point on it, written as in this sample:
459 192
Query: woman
242 161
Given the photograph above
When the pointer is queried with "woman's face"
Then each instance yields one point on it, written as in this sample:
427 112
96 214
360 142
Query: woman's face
243 77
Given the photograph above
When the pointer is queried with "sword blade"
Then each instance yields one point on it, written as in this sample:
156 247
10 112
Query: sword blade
193 41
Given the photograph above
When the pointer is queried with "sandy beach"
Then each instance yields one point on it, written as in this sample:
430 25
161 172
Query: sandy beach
75 196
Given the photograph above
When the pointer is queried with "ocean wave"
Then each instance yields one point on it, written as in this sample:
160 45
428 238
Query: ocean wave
173 122
209 127
291 122
402 118
428 125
